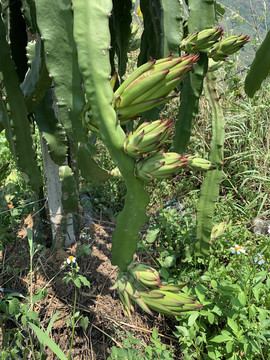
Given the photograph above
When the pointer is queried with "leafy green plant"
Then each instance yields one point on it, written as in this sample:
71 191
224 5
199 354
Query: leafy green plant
155 350
170 235
78 280
234 291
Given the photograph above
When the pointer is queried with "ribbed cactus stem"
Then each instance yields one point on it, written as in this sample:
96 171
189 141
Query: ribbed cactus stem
210 186
92 36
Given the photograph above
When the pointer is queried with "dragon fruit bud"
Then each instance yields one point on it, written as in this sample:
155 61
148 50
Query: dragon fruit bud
227 46
148 137
201 41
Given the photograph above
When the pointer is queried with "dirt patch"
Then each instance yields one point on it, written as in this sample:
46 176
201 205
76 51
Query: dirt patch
107 321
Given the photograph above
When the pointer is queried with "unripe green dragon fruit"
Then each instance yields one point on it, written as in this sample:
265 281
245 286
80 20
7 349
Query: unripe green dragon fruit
142 284
161 165
164 165
198 163
145 274
227 46
148 137
169 303
201 41
150 85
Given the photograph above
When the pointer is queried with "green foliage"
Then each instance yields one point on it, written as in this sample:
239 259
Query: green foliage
46 340
235 311
155 350
233 289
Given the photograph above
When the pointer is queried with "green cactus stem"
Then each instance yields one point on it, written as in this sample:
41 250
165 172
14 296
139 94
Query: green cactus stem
201 16
121 19
171 27
210 187
51 129
29 13
69 191
17 38
62 64
259 68
37 80
150 40
19 128
162 29
89 169
92 37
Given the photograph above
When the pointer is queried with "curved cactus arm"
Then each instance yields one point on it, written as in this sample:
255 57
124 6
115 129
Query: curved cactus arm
29 13
90 170
69 191
61 62
17 38
209 193
189 104
19 126
172 30
1 123
201 16
6 125
149 40
51 129
121 18
91 33
37 80
210 187
169 38
259 68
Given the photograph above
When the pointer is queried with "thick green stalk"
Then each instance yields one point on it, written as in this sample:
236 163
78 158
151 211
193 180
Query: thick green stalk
89 169
168 35
51 129
259 68
92 36
56 30
18 129
189 104
210 186
162 29
151 36
17 38
69 191
29 13
37 80
62 64
201 16
121 18
171 25
6 124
